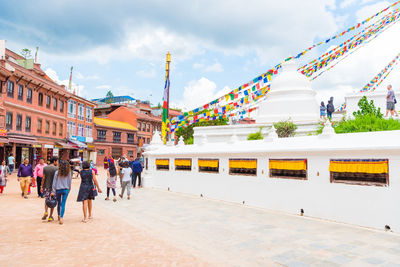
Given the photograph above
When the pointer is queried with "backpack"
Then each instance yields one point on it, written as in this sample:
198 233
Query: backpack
330 108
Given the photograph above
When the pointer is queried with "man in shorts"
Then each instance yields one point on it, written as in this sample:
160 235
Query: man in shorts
47 184
390 102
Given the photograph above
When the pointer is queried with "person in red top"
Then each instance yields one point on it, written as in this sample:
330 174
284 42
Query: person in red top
38 175
105 163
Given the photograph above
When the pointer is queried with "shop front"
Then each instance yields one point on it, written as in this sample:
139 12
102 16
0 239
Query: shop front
21 147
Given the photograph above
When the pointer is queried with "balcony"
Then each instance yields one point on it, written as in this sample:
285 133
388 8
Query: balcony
117 140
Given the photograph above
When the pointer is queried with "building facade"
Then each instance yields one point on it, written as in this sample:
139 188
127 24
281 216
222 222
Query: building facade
33 111
114 138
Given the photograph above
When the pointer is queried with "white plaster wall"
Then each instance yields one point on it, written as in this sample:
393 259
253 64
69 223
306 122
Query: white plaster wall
2 49
379 98
370 206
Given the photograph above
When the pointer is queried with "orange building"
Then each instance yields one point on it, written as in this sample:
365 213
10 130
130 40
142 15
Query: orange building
33 111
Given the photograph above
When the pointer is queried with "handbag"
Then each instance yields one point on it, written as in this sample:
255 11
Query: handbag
395 101
95 191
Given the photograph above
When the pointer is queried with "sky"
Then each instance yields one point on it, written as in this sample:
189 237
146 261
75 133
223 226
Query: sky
215 45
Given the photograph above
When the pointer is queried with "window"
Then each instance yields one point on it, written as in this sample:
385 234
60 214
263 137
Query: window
130 138
208 165
88 131
47 129
18 127
139 126
148 127
39 125
29 95
117 137
61 106
54 128
162 164
48 101
288 168
55 104
9 120
27 124
20 92
101 152
61 130
80 129
40 99
71 129
72 108
183 164
360 171
81 111
243 166
130 153
10 89
101 135
89 114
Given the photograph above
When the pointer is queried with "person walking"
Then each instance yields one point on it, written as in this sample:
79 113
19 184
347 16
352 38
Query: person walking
390 102
25 174
137 169
47 186
11 162
322 111
38 175
330 108
61 187
105 163
111 181
87 190
4 171
126 179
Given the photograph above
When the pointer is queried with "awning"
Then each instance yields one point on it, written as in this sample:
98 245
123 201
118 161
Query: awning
79 144
28 141
65 145
3 140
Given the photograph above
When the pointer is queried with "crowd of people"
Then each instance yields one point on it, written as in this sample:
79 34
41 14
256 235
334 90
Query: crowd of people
53 182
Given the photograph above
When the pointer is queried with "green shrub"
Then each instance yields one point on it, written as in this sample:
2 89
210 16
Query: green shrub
285 128
367 123
256 136
367 108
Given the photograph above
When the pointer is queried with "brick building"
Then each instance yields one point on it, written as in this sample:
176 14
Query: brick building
114 138
33 113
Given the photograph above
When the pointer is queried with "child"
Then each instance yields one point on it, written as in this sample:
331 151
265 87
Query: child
4 171
322 111
111 180
126 179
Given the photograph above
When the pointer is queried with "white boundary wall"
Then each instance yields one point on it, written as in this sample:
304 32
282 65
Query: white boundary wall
371 206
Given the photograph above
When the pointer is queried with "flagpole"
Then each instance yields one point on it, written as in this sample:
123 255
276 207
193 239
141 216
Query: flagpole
164 130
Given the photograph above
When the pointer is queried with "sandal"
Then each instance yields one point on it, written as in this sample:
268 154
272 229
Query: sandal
50 219
45 216
115 200
84 221
107 198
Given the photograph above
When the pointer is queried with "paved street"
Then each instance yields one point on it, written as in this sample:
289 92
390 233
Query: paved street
158 228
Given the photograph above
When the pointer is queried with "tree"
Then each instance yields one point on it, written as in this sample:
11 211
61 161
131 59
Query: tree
26 53
367 108
109 97
187 132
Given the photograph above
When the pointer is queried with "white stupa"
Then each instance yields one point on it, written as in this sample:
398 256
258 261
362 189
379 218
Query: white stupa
291 97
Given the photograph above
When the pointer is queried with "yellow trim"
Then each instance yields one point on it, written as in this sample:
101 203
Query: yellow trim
359 166
210 163
242 164
183 162
114 124
292 165
162 162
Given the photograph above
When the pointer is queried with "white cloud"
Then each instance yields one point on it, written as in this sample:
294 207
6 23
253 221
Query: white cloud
370 10
347 3
75 87
147 73
103 86
200 92
198 65
216 67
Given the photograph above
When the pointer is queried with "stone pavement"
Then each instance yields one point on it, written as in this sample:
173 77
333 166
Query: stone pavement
160 228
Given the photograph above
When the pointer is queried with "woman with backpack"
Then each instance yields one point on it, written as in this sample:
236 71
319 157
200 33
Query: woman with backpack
111 181
330 109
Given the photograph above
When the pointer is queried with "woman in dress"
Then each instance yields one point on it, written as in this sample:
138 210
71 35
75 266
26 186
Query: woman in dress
111 181
87 190
4 171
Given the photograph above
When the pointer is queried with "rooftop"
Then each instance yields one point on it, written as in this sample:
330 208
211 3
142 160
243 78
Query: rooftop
114 124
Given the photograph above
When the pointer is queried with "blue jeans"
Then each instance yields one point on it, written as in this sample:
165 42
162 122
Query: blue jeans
61 196
11 167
